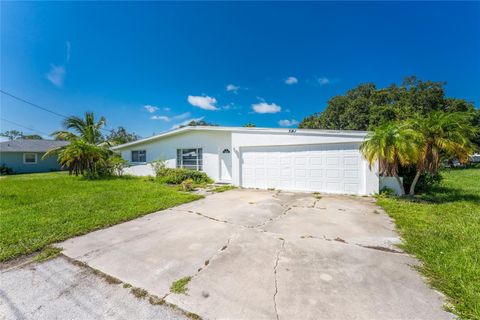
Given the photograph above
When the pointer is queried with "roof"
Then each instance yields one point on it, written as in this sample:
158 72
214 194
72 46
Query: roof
348 133
30 145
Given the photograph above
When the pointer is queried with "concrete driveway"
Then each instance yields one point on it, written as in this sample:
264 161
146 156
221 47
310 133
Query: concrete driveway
267 255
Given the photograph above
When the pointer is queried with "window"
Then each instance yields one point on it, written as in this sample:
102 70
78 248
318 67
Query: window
139 156
29 158
190 159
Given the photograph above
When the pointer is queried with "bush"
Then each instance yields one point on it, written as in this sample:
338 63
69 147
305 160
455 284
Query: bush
4 170
158 166
105 168
177 176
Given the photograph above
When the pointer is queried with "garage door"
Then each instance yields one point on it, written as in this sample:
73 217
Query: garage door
332 168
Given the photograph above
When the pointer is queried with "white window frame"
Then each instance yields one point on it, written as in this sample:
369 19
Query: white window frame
24 157
131 156
199 166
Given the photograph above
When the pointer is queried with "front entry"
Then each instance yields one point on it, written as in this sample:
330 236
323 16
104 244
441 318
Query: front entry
225 164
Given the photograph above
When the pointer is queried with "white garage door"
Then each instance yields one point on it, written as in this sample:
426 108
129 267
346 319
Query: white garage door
332 168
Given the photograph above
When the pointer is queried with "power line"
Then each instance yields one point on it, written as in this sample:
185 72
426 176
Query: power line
40 107
22 126
33 104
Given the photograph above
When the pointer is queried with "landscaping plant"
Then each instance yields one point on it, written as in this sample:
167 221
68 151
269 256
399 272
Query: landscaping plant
178 175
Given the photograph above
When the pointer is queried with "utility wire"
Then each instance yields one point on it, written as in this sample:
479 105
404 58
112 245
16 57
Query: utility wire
40 107
22 126
32 104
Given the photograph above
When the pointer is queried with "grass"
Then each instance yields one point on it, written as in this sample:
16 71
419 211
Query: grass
47 254
223 188
442 229
180 286
39 209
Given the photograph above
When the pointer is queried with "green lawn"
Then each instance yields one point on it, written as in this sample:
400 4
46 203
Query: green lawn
40 209
443 230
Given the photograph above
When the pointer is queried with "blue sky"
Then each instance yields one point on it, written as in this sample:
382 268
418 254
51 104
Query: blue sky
150 66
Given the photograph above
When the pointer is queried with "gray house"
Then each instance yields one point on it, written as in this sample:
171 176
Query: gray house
25 156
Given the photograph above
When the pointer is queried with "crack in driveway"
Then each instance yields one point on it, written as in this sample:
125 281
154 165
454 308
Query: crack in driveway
276 281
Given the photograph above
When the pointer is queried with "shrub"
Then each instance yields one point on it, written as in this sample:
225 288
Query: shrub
4 170
158 166
177 176
387 192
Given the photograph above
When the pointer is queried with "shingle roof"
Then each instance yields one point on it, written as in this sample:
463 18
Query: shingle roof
27 145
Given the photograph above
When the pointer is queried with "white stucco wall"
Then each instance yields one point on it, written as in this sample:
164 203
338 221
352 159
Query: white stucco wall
166 149
213 141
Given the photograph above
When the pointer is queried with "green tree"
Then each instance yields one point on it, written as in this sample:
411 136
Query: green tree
250 125
392 145
443 135
12 134
32 137
195 123
87 153
81 157
367 107
121 136
86 129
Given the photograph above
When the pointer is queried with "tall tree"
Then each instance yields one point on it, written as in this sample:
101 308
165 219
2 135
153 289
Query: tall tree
367 107
86 129
121 136
392 145
32 137
195 123
447 135
12 134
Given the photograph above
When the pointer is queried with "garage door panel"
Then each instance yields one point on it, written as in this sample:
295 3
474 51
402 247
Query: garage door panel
316 173
331 173
333 168
315 161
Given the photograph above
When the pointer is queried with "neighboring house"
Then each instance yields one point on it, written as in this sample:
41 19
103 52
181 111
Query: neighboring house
25 156
286 159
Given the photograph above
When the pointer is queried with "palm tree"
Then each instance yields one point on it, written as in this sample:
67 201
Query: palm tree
87 147
392 145
86 129
443 134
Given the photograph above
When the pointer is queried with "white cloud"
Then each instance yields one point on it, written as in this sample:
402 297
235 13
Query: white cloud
203 102
150 108
291 80
167 109
184 123
56 75
323 81
233 88
264 107
163 118
182 116
288 123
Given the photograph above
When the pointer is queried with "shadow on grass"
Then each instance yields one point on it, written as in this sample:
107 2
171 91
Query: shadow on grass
440 195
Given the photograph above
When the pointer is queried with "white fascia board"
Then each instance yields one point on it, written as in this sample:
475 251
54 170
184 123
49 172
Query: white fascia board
348 133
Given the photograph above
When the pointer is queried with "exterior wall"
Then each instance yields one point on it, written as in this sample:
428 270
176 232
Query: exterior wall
242 139
14 160
391 183
166 149
212 142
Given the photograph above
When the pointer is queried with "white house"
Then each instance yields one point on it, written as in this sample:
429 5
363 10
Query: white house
287 159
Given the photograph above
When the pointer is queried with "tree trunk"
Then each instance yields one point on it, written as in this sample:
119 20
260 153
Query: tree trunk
402 189
414 183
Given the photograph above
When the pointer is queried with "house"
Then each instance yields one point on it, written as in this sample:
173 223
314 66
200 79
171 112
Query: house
25 156
285 159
